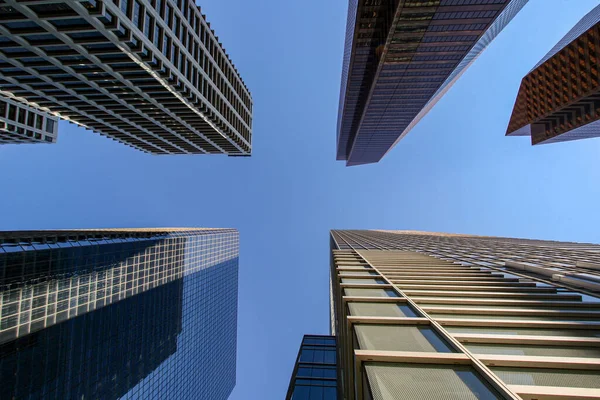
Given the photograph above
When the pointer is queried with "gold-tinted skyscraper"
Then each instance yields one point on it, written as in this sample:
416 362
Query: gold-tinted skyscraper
422 315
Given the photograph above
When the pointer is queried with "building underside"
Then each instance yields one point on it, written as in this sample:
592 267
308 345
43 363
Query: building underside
151 75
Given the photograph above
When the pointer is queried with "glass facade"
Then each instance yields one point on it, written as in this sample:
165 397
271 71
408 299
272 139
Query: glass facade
400 58
472 317
144 313
315 372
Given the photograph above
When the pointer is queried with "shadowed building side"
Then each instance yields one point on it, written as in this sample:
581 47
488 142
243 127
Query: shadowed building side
119 313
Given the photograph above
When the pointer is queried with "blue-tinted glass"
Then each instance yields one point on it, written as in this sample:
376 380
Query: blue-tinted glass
158 341
329 373
329 393
436 341
307 356
480 389
301 393
312 341
391 293
330 357
316 393
304 372
408 310
318 356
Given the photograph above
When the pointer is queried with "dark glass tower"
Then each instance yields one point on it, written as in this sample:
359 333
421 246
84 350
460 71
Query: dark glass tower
400 58
559 99
151 74
148 313
315 371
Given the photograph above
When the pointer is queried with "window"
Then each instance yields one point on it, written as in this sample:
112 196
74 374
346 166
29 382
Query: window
317 355
137 13
125 6
49 125
148 26
304 391
12 112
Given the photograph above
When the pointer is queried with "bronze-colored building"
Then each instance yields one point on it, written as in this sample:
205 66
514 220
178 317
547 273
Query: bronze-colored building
421 315
559 100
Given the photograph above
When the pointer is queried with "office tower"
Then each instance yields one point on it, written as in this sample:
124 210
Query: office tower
559 99
440 316
22 123
400 58
151 74
118 313
315 371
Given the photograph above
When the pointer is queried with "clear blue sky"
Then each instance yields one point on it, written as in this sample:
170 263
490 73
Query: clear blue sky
455 172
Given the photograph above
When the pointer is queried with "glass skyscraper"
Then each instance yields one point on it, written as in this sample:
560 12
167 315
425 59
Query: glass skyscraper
124 313
400 58
315 372
442 316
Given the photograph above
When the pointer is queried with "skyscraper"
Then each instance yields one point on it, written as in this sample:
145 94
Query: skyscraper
148 73
22 123
442 316
123 313
400 58
559 99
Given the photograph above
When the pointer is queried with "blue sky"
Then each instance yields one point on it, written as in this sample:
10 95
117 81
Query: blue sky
455 172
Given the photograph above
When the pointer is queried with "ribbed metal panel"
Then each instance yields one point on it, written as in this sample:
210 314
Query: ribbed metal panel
361 281
381 310
427 382
366 292
491 330
549 377
528 350
400 338
353 266
358 273
510 317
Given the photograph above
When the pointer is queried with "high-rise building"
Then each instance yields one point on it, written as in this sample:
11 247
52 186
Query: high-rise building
441 316
148 73
559 99
118 313
315 372
400 58
22 123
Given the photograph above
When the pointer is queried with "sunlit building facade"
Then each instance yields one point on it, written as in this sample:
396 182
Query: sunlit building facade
559 99
400 58
123 313
441 316
151 74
